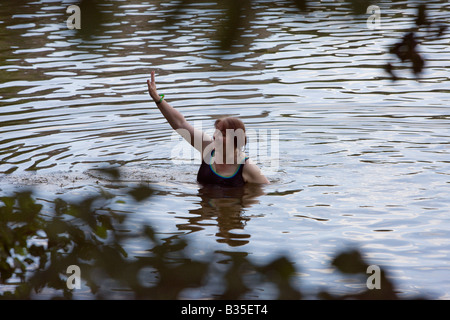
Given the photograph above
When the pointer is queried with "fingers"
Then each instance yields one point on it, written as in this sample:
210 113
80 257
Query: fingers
151 85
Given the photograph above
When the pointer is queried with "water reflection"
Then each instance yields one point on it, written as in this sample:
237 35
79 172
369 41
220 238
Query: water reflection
374 152
227 206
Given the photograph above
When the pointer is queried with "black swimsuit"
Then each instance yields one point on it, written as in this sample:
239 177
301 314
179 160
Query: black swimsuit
207 176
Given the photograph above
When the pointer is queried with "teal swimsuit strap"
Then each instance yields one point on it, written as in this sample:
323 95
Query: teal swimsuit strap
226 177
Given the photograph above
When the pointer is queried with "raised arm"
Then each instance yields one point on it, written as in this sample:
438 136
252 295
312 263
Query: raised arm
177 120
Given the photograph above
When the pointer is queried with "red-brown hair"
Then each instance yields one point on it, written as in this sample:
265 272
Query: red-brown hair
231 123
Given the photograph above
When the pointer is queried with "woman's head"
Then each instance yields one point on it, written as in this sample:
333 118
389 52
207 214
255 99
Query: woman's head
230 130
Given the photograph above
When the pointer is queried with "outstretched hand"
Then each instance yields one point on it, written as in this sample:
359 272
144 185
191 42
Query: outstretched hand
152 87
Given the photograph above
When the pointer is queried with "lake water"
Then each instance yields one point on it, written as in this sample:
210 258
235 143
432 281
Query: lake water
354 159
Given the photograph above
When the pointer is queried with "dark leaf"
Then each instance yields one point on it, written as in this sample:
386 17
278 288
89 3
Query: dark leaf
350 262
141 193
112 172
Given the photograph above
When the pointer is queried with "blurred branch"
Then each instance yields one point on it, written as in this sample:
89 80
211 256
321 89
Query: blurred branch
406 50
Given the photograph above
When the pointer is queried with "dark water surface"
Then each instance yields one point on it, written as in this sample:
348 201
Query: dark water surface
354 159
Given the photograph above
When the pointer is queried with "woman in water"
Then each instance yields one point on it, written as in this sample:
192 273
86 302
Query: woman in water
223 161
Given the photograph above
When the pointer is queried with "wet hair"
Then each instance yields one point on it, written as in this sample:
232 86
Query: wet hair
231 123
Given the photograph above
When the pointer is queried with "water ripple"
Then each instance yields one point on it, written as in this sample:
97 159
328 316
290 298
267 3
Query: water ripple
361 159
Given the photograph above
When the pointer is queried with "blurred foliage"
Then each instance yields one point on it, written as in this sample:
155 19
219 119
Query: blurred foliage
37 245
406 50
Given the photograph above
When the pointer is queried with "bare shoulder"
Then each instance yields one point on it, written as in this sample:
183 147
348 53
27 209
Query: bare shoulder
253 174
